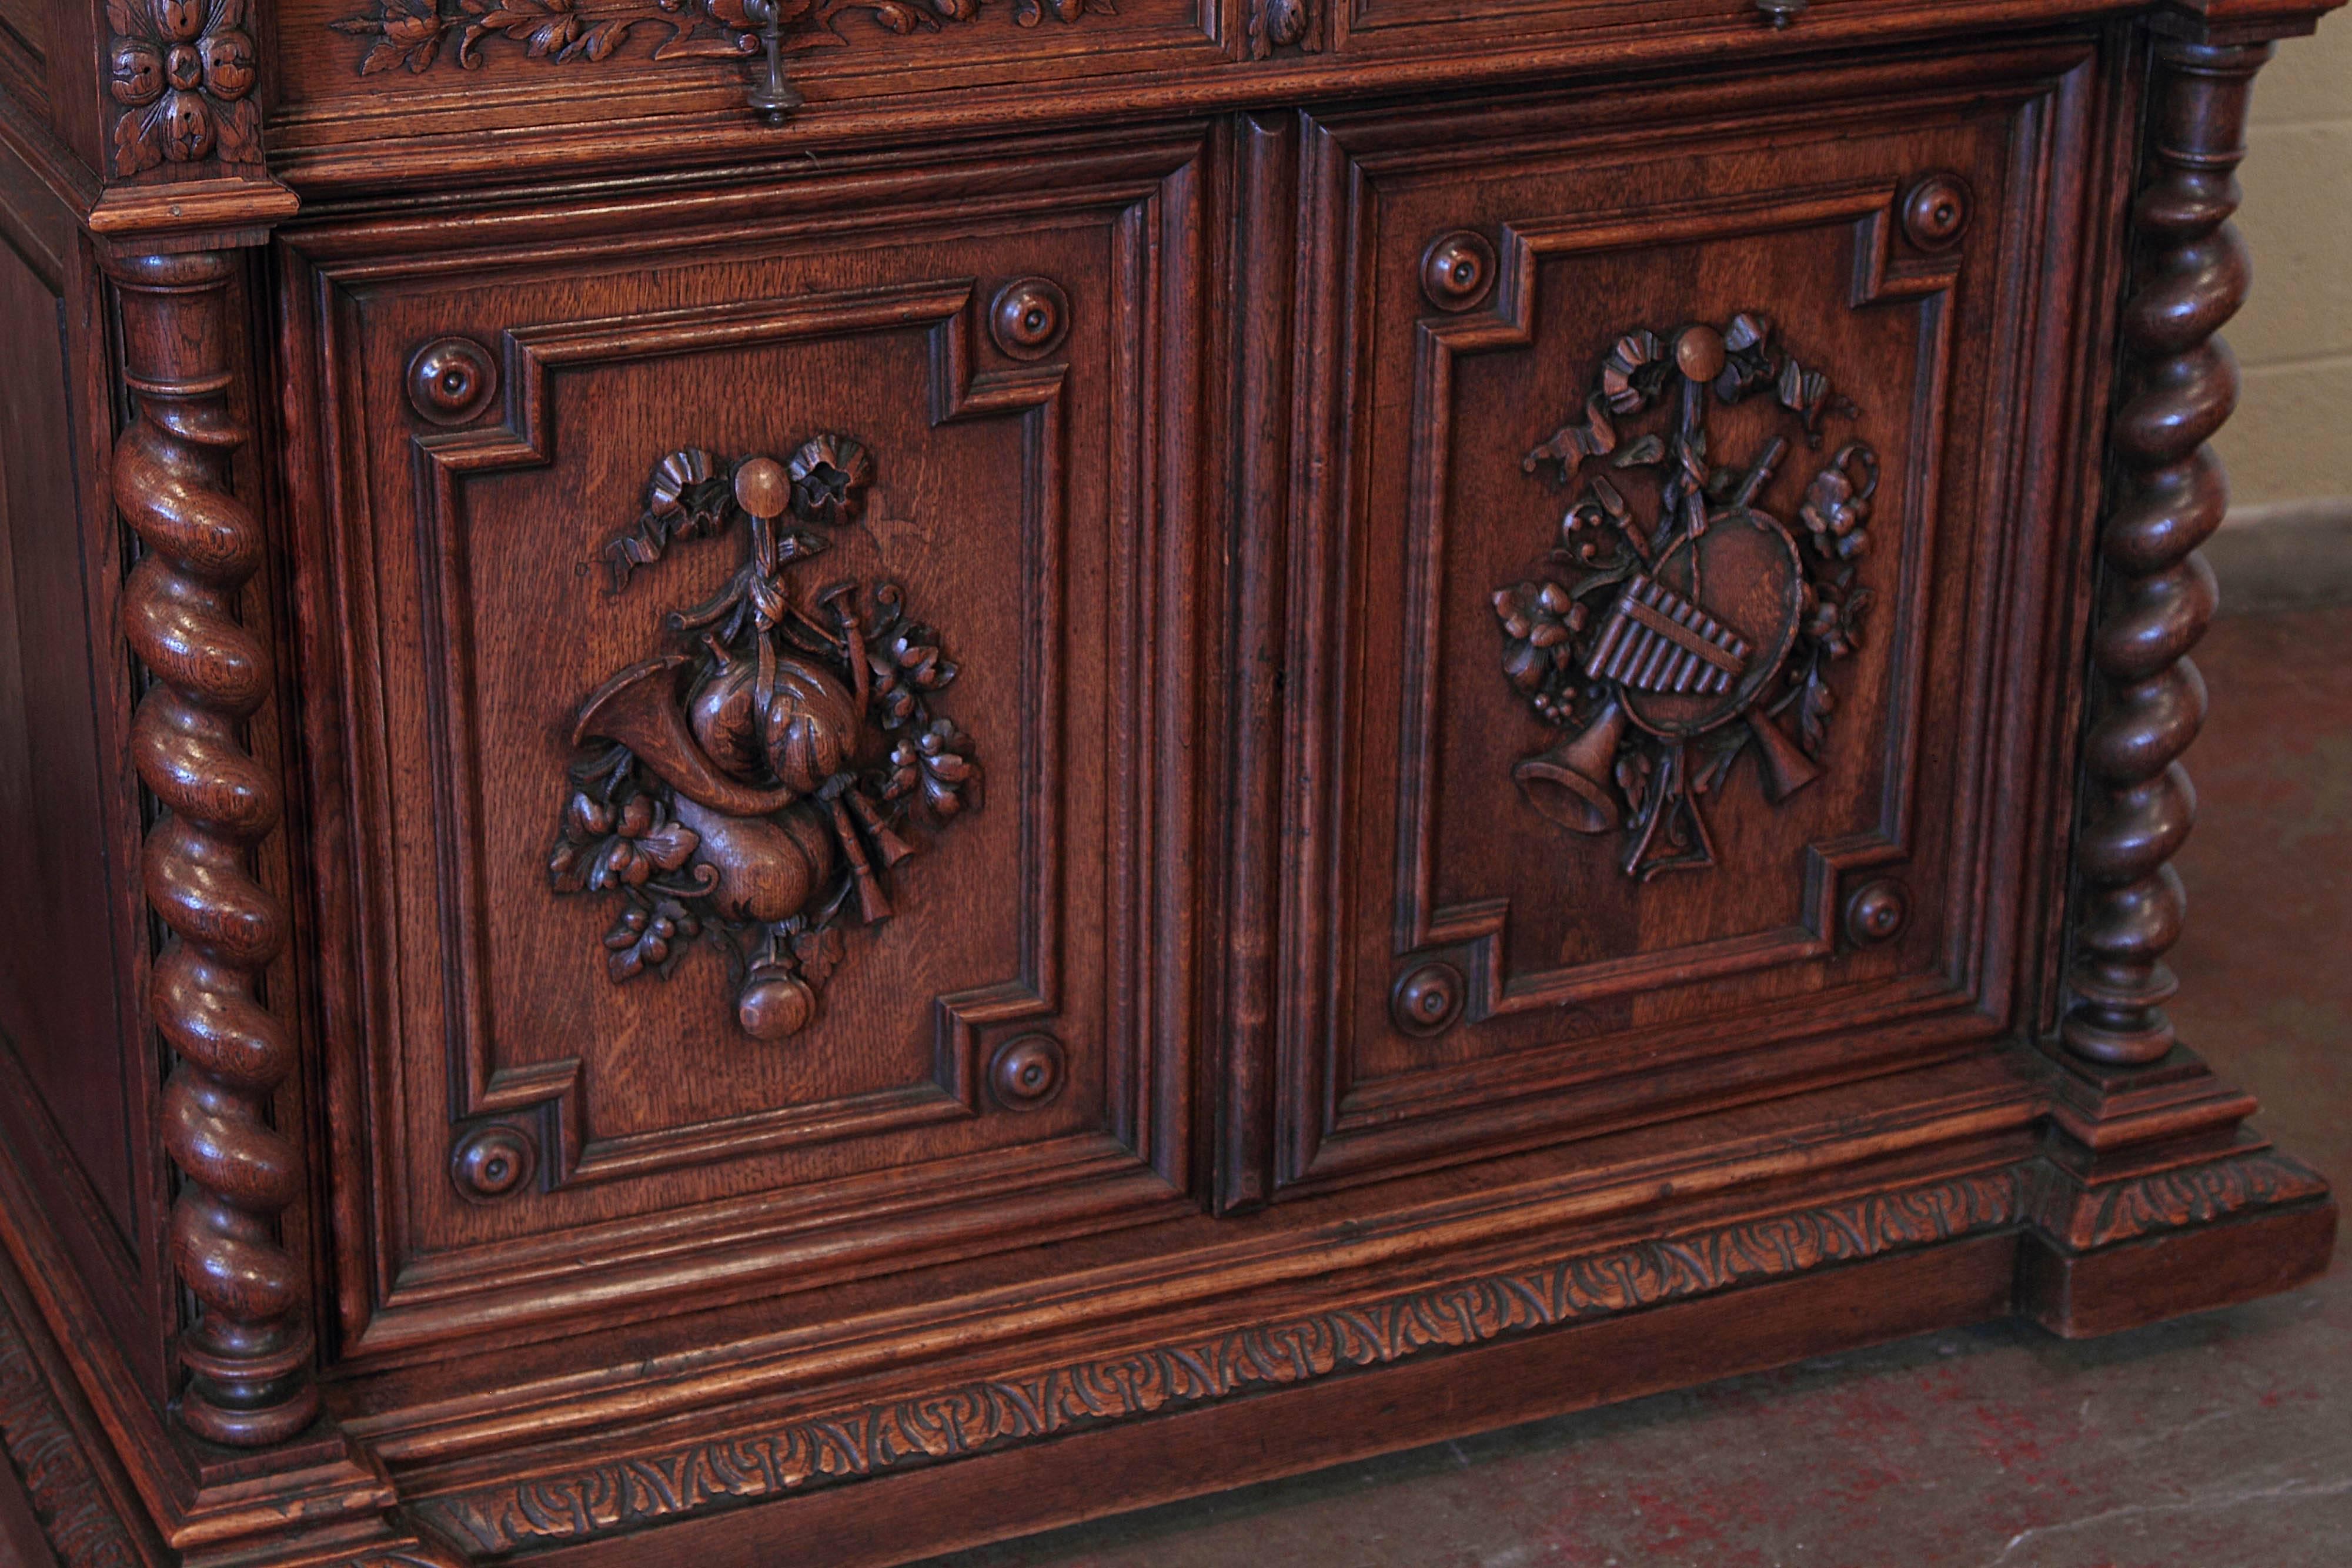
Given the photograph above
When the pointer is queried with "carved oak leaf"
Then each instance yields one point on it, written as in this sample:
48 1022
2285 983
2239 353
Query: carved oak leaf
819 953
541 26
406 33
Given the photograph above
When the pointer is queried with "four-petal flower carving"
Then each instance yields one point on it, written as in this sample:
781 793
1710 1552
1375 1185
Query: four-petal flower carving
182 72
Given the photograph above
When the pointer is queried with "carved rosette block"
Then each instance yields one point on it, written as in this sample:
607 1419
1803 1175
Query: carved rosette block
182 71
2150 701
248 1354
753 785
1676 624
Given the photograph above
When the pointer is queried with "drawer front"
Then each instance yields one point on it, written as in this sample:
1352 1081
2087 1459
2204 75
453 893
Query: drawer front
759 631
1665 732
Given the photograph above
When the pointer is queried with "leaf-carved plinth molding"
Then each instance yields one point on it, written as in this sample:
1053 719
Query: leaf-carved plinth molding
2170 1200
82 1528
975 1417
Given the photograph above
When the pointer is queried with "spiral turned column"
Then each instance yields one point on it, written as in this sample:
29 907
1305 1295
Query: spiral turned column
248 1354
2159 592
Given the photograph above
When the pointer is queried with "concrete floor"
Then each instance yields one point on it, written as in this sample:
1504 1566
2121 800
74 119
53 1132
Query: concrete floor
2223 1440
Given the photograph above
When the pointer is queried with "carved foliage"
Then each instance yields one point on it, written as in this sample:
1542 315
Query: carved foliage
47 1457
412 34
753 785
182 72
1676 624
977 1416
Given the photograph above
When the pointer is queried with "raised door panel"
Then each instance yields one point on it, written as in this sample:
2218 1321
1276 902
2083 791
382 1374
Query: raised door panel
758 652
1660 650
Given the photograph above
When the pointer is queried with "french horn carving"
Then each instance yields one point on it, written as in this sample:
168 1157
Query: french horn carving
753 784
1677 623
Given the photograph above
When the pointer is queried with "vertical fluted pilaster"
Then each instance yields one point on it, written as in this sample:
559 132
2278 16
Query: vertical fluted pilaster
248 1354
2192 276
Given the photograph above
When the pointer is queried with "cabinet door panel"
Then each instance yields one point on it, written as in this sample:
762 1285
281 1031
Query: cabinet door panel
1660 631
754 652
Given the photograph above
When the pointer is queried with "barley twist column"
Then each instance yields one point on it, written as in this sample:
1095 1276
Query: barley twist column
2159 592
248 1354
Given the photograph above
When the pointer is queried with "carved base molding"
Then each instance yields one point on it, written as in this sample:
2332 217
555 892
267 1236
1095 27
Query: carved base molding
2072 1230
52 1465
980 1416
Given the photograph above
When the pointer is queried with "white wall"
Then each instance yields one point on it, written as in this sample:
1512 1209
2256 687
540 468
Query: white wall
2291 441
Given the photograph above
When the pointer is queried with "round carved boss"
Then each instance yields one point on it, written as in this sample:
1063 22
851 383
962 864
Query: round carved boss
492 1162
1876 913
1935 212
1029 317
1457 270
1427 999
452 381
1028 1071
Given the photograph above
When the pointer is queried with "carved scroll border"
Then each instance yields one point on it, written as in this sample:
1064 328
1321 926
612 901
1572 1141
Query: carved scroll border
553 1091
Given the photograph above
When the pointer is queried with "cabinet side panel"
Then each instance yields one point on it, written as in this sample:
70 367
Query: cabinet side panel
59 999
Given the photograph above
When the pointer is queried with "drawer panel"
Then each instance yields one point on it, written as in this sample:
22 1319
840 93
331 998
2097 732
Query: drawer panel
1657 657
755 649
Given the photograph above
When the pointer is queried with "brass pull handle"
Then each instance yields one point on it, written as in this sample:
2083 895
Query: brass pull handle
771 96
1781 13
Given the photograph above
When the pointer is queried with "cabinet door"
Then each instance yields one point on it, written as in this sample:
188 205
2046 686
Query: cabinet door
758 627
1672 556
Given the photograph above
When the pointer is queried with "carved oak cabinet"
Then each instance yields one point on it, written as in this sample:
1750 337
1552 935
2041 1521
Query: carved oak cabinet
802 780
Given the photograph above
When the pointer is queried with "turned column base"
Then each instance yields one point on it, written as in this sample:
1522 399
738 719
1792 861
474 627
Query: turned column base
2080 1295
2155 1201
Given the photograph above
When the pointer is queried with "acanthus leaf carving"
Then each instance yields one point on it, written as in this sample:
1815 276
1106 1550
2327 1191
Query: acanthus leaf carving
1677 623
51 1464
753 784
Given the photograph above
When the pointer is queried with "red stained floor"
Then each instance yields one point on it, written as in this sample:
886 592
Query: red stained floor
2218 1442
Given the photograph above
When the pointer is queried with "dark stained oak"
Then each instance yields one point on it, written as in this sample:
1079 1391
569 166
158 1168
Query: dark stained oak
816 783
